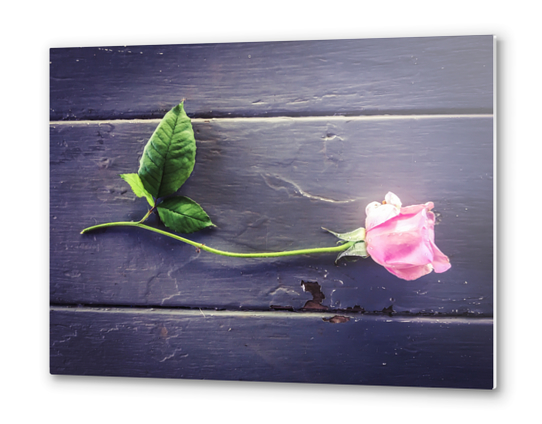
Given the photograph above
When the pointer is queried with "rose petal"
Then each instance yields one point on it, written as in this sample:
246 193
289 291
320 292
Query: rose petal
411 273
441 262
408 210
372 206
392 199
380 214
401 241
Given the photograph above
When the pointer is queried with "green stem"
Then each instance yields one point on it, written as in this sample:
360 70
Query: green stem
201 246
146 216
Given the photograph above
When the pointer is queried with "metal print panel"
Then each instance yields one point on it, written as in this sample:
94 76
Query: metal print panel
304 211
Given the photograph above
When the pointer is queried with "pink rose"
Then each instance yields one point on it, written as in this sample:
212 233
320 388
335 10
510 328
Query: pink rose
403 239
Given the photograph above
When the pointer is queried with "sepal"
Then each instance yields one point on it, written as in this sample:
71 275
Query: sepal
358 249
356 235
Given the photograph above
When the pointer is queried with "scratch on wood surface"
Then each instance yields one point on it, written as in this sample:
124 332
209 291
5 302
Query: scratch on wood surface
276 183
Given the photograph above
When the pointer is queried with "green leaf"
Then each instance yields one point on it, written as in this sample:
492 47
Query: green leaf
356 235
170 154
183 215
358 249
137 187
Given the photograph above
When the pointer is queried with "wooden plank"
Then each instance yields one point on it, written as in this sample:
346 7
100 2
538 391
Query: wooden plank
284 347
332 77
270 184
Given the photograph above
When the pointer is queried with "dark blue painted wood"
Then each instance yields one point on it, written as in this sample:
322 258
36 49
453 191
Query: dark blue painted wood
279 346
267 185
352 77
272 183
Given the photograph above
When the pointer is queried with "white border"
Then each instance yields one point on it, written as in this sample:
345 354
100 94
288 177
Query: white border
31 30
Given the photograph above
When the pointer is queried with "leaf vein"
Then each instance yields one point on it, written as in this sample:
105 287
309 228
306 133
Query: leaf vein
188 216
168 147
156 149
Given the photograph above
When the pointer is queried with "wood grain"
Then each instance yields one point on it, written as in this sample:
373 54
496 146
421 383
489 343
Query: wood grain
291 137
271 184
296 78
285 347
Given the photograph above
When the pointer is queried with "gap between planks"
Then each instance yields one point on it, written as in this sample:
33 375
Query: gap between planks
195 313
285 118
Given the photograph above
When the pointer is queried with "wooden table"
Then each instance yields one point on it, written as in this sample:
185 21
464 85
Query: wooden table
291 137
